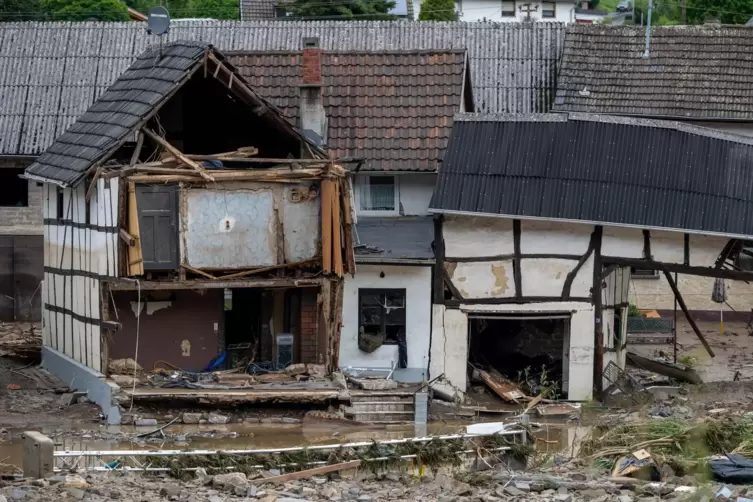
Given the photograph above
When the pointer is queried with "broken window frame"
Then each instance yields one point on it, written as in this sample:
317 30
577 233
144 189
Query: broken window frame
390 338
363 204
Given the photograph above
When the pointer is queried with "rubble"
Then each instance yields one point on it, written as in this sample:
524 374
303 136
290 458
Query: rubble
22 340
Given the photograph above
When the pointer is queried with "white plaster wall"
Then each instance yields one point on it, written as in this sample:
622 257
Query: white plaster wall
449 349
553 237
415 193
417 284
491 10
492 279
470 236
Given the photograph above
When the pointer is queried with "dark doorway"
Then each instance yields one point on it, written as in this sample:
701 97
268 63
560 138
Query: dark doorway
528 350
243 324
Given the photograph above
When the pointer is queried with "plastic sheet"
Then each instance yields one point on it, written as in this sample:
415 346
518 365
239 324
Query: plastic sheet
732 469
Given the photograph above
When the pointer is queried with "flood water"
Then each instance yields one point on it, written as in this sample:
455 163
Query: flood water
551 438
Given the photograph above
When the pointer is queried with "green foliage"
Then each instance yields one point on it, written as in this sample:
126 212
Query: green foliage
214 9
341 9
84 10
438 10
633 311
726 11
19 10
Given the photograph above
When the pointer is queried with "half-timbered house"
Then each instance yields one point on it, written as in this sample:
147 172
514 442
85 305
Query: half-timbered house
539 219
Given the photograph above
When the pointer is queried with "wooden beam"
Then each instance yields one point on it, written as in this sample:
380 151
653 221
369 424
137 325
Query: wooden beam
174 285
684 308
581 261
647 244
598 316
337 250
325 469
327 190
686 249
246 273
178 154
198 272
448 282
513 300
516 272
504 257
135 256
127 238
137 150
439 252
90 190
721 273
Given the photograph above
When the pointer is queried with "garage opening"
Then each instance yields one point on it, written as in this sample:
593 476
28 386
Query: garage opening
529 350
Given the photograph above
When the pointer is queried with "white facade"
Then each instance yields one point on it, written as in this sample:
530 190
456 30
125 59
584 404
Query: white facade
416 281
411 193
515 11
79 250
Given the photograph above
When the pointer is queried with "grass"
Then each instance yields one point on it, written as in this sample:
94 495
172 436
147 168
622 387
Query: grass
608 5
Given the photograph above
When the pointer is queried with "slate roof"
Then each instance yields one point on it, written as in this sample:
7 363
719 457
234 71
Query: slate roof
611 170
407 238
51 72
131 100
393 109
702 72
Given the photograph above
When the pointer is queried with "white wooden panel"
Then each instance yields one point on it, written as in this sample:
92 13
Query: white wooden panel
584 280
544 276
114 212
466 236
46 341
623 242
538 237
95 348
484 279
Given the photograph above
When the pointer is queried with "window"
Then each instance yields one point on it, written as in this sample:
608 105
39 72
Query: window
378 194
14 190
382 312
641 273
59 203
508 8
548 9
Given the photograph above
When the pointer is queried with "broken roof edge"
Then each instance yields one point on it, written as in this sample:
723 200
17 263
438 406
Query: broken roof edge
607 119
454 212
236 80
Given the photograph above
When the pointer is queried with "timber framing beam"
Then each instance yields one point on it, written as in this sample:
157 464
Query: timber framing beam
684 308
131 284
716 273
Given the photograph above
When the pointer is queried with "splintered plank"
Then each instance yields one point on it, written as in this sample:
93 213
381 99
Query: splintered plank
505 390
327 190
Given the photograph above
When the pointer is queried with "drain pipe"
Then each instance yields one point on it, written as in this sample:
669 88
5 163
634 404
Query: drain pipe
648 29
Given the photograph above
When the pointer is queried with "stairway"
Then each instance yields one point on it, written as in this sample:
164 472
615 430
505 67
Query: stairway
381 407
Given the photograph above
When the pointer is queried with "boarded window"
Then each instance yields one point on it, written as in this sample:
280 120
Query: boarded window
158 226
382 311
378 193
508 8
548 9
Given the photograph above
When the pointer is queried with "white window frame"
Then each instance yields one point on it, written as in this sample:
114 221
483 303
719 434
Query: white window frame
361 183
554 10
514 9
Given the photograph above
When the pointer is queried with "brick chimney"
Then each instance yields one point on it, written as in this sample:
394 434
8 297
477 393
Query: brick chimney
312 116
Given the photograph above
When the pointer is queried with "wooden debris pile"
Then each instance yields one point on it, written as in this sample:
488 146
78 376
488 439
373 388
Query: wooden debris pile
22 340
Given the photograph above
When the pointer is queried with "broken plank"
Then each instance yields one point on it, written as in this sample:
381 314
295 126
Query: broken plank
505 390
199 272
178 154
327 189
666 369
127 238
137 150
90 190
265 269
337 231
325 469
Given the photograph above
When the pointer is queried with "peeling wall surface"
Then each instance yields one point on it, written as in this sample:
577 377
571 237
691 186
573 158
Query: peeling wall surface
243 225
78 250
449 349
417 284
493 279
183 330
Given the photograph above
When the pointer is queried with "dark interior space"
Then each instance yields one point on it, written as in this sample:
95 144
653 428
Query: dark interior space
527 351
204 117
14 191
243 325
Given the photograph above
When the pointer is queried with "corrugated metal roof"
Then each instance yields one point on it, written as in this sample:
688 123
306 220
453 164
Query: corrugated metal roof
393 108
513 66
701 72
404 238
623 171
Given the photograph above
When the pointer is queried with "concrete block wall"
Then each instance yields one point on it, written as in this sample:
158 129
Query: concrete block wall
24 220
309 327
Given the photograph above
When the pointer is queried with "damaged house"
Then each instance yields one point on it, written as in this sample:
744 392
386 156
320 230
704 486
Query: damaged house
539 221
188 224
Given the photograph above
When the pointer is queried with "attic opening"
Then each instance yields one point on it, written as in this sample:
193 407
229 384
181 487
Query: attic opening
14 190
530 350
205 116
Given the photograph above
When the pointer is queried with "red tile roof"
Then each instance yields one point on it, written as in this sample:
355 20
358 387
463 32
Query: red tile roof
394 109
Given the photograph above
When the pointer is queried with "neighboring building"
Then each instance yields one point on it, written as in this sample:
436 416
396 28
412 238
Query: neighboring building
605 70
514 11
531 222
392 111
252 10
183 262
590 16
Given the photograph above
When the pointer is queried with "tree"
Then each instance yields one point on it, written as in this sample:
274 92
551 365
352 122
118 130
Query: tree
216 9
726 11
84 10
341 9
438 10
19 10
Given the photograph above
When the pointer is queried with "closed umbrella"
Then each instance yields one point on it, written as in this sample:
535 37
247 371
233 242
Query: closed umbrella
719 295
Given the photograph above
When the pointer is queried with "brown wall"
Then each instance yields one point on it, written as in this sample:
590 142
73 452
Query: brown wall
309 316
191 317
